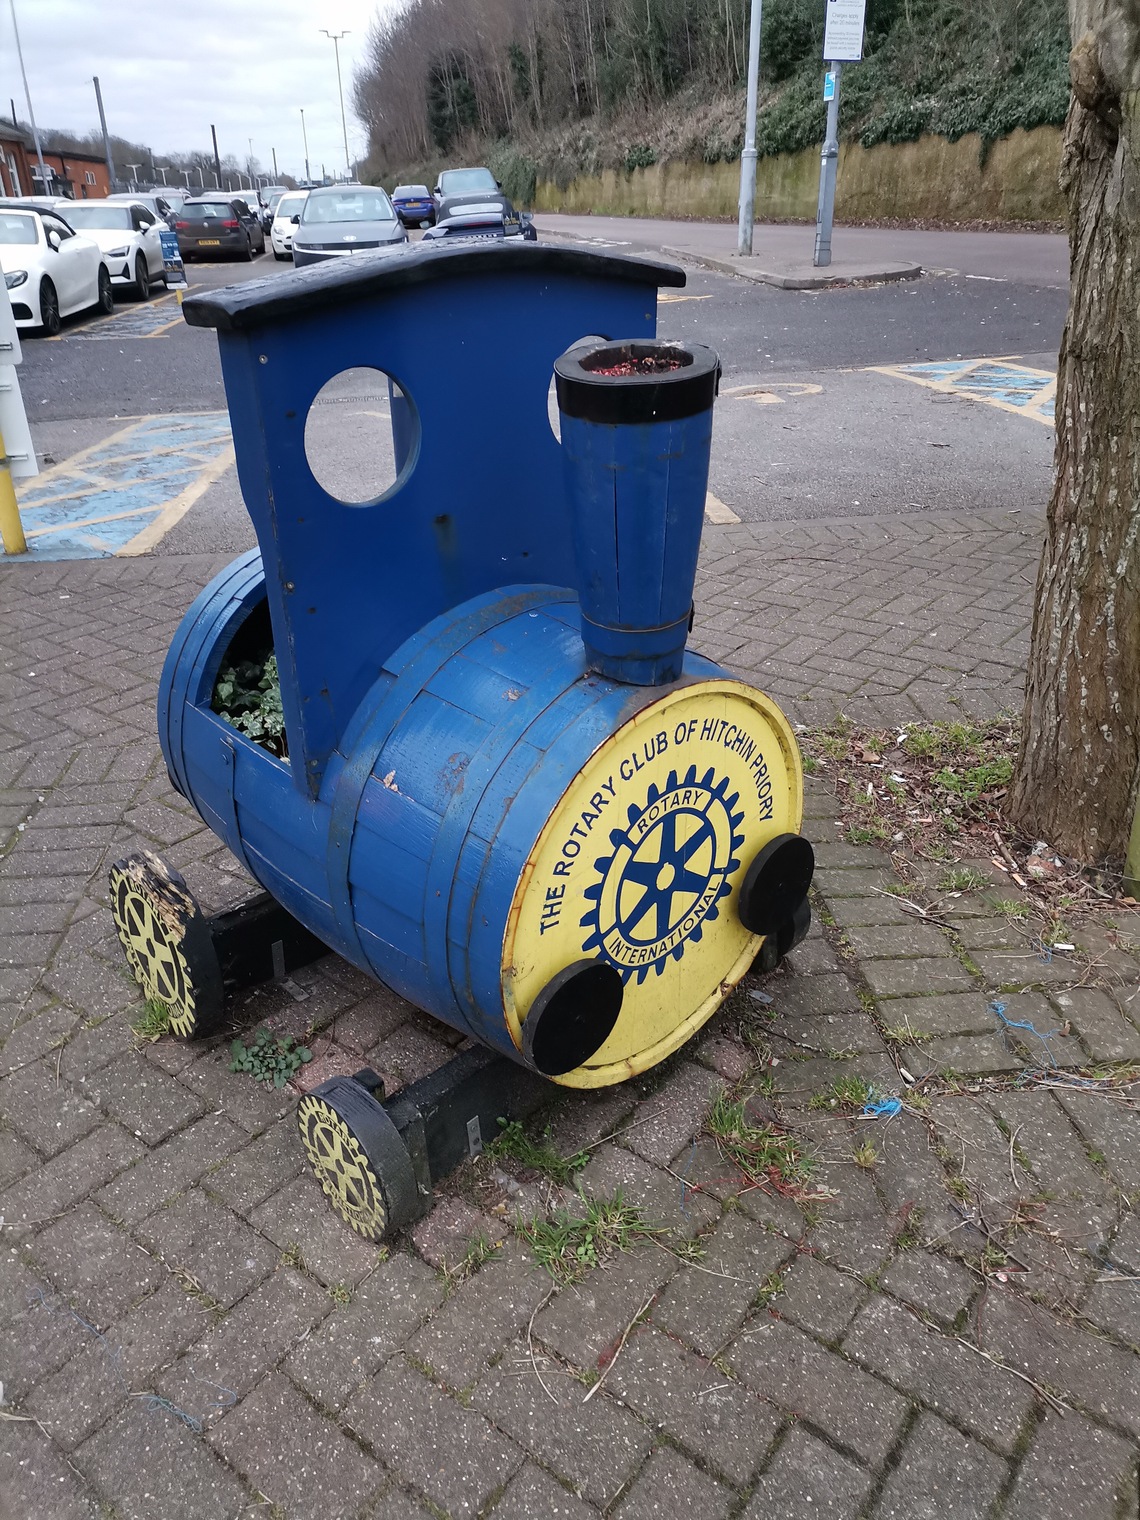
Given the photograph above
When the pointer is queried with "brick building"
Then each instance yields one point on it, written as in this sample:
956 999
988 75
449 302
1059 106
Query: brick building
80 176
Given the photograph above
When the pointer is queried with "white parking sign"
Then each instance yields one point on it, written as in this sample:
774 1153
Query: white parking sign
843 34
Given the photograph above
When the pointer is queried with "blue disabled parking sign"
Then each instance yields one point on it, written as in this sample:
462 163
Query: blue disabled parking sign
172 259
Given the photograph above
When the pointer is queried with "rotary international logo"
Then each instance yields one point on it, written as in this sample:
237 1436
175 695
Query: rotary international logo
670 868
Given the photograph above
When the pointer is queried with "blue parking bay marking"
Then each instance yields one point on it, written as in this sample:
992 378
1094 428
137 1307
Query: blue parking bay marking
1004 383
121 496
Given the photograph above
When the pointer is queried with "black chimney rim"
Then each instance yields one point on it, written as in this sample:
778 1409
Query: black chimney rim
615 399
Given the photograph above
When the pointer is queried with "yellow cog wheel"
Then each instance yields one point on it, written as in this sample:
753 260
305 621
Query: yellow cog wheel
167 942
342 1168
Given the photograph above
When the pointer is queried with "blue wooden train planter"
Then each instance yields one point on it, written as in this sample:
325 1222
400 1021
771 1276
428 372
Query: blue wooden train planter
510 791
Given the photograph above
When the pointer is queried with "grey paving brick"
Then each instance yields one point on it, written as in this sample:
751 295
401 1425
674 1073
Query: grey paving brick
299 1217
971 1056
672 1114
867 912
481 1316
940 1476
860 882
170 1168
533 1492
584 1118
1110 1129
203 1240
463 1465
808 1478
294 1456
671 1485
585 1322
819 1298
36 1036
596 1447
1102 1027
96 1264
36 1480
813 997
713 1417
853 1230
705 1304
789 1368
662 1199
149 1463
1074 1468
911 978
945 1014
267 1163
248 1103
827 1034
244 1345
933 1284
147 1102
444 1236
355 1341
48 1114
16 1158
1082 1366
935 1370
1005 968
890 941
52 1188
94 1045
78 1398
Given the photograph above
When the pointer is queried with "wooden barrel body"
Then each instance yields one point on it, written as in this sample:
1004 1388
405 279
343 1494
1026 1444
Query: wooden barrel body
498 819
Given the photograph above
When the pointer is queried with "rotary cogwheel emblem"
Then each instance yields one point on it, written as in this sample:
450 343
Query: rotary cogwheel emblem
671 865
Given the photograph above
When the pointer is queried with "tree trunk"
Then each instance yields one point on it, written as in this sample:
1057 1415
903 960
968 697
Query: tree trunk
1075 784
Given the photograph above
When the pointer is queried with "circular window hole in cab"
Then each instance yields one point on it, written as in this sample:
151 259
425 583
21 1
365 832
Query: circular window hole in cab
572 1017
362 436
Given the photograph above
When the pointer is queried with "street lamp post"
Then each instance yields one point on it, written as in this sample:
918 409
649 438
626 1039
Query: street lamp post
186 173
134 168
162 168
28 97
336 40
305 135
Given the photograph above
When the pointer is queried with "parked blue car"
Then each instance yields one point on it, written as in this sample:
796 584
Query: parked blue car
414 205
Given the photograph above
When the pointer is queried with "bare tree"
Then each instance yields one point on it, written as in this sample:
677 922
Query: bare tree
1079 768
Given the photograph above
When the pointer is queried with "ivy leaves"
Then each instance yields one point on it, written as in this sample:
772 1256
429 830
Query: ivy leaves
248 696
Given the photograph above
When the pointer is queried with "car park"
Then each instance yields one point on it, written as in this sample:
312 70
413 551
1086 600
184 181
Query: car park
414 205
269 195
50 270
127 232
344 219
281 228
216 225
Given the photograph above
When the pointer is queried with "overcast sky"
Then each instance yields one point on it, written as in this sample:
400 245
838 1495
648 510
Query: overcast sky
168 72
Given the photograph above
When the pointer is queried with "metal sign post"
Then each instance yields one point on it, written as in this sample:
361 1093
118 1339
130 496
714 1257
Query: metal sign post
748 156
842 43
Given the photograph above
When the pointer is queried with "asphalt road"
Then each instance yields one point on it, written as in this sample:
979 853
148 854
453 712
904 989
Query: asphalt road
804 428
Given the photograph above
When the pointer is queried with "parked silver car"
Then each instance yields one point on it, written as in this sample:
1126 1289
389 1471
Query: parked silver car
341 219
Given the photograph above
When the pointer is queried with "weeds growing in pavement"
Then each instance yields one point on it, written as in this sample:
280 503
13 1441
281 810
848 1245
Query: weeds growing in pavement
865 1155
568 1245
763 1153
539 1155
906 1034
268 1060
962 879
153 1022
479 1250
848 1093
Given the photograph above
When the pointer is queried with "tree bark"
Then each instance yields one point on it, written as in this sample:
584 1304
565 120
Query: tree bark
1075 784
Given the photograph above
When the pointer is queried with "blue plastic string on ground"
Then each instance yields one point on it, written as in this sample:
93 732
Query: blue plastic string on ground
882 1108
998 1009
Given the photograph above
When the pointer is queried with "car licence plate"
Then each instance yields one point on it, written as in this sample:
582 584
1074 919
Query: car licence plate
209 242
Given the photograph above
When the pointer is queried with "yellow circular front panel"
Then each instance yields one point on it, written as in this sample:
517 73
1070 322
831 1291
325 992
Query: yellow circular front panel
640 864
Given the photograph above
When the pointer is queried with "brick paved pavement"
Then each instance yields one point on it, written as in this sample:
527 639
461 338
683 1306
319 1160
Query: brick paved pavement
950 1330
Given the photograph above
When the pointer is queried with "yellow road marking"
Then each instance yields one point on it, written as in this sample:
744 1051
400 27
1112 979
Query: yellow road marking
717 512
766 395
667 298
949 385
176 509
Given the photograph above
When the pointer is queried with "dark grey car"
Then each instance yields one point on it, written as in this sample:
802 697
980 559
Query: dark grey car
213 224
341 219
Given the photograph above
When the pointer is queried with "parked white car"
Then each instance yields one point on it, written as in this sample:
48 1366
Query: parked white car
49 269
291 204
127 233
